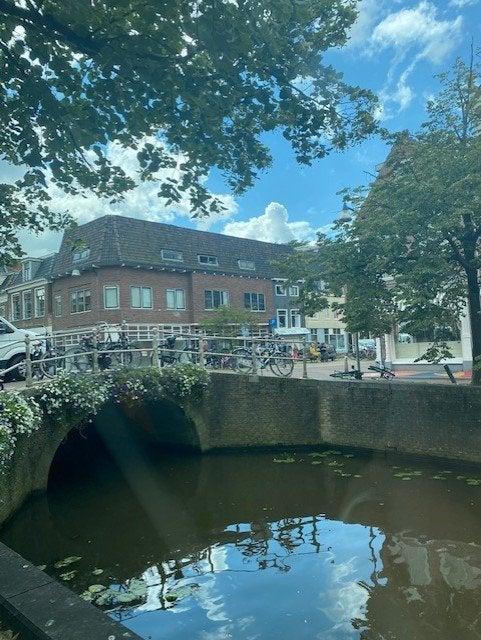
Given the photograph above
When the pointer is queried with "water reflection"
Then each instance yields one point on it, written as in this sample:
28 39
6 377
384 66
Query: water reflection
327 545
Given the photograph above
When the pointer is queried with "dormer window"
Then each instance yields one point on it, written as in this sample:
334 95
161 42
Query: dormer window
81 254
169 254
26 271
248 265
211 261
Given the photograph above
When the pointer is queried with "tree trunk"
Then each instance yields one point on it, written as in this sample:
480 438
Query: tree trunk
474 314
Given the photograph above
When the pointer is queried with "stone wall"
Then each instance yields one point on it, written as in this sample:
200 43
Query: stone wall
238 411
411 418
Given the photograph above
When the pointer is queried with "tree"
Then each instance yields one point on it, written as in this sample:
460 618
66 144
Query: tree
411 252
226 321
189 84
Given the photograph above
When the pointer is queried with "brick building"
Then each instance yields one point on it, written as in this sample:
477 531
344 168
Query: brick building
117 268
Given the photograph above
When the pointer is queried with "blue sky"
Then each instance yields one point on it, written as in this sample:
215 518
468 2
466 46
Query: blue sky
396 48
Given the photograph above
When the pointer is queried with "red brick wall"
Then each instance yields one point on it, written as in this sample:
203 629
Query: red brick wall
194 285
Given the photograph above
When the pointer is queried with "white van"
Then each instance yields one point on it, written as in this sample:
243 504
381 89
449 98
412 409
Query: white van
12 348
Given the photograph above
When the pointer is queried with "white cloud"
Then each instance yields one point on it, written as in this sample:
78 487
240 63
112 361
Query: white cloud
142 202
271 226
418 29
462 3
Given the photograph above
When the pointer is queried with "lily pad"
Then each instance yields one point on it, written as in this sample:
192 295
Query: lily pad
69 575
97 572
286 458
66 561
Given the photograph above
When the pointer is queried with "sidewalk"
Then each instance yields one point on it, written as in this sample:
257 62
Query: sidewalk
323 370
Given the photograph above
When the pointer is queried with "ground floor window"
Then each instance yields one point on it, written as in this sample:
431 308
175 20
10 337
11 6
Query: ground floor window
175 298
254 301
39 302
80 301
215 299
141 297
111 296
16 307
27 305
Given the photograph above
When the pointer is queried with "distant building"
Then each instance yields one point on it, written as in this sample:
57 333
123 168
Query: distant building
117 268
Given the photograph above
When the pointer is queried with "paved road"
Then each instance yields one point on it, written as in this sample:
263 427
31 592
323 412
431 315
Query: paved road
323 371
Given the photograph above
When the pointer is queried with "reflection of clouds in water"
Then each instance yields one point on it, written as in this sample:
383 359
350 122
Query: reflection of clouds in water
345 600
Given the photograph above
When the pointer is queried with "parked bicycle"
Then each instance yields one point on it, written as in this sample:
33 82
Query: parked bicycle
272 354
169 354
112 353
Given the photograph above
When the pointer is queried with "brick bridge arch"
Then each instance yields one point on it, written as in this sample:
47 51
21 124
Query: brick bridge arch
241 412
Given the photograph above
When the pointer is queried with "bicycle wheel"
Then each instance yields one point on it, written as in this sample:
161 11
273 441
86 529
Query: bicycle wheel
80 361
186 355
242 360
281 366
120 358
51 364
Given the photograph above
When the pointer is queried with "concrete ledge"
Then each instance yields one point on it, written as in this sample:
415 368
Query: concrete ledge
47 609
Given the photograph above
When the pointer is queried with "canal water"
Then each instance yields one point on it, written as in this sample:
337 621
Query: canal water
327 544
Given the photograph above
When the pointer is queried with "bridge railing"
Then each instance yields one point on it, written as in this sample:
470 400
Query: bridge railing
104 347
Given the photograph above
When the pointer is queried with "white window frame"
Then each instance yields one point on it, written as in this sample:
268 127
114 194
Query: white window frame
247 265
258 298
143 304
80 301
295 318
280 290
27 300
282 313
108 288
57 306
175 256
175 299
223 299
206 260
39 302
294 290
16 307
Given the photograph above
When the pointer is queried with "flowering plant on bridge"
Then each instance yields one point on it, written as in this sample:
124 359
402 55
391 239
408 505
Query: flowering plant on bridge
184 380
82 395
18 414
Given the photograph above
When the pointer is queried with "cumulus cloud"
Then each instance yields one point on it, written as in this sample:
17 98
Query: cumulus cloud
272 226
142 202
418 29
413 35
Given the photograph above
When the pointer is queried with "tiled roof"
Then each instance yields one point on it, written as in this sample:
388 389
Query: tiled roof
44 271
118 240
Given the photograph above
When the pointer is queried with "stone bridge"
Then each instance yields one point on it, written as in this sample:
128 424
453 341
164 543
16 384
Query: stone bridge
242 412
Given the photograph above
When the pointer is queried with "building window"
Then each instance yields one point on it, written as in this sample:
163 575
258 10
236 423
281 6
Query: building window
254 301
81 254
295 318
27 305
16 307
141 297
294 291
39 303
111 296
280 290
214 299
168 254
26 271
281 318
57 306
175 299
80 301
208 260
246 264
